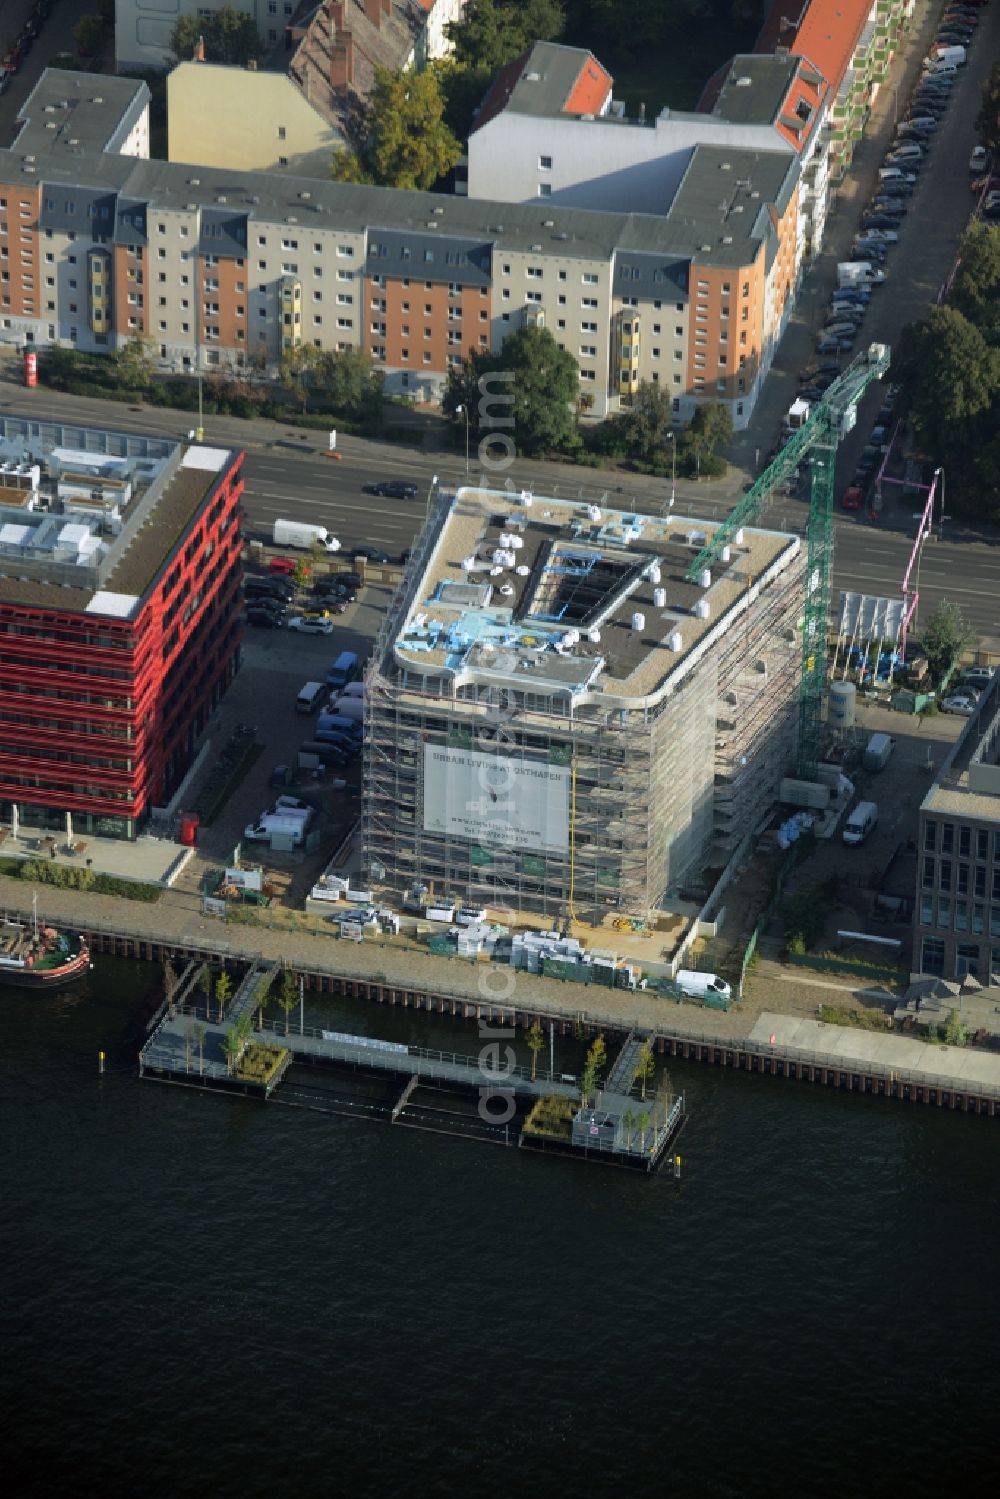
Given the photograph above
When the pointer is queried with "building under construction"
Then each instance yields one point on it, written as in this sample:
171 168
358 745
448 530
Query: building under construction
558 722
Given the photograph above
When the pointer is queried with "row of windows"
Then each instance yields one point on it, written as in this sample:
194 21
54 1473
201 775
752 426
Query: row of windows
963 915
944 833
944 874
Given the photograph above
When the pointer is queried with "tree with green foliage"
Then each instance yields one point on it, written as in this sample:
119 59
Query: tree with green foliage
628 1125
89 35
648 421
944 637
230 36
406 141
134 363
646 1068
976 289
463 90
288 994
223 989
955 1033
297 370
947 373
232 1047
541 389
988 118
709 429
536 1042
644 1121
493 32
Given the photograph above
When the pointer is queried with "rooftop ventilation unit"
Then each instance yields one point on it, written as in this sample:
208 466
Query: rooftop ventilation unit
548 223
305 197
536 249
194 182
725 166
532 77
438 211
743 82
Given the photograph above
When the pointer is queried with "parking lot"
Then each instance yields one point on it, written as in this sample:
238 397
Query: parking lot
276 664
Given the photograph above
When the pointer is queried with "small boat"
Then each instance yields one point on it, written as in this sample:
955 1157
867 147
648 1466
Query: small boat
40 957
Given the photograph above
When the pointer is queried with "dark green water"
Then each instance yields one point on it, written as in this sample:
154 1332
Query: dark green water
206 1296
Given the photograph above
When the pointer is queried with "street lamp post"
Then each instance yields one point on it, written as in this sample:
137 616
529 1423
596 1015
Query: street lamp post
939 474
673 467
465 412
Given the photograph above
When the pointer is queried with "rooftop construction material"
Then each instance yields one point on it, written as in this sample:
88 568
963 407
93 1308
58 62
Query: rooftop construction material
559 720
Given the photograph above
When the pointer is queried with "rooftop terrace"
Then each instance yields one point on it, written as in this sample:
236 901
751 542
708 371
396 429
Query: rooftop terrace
571 599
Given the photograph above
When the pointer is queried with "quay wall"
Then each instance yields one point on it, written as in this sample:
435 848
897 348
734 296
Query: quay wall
684 1039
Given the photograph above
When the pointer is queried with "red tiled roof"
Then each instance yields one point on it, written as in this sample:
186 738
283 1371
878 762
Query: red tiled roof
826 33
589 91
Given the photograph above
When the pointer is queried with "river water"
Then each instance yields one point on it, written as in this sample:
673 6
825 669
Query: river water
216 1297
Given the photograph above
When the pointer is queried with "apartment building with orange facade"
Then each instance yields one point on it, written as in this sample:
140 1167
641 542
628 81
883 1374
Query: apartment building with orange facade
219 267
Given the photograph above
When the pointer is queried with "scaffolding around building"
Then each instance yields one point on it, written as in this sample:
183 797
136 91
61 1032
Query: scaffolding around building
635 723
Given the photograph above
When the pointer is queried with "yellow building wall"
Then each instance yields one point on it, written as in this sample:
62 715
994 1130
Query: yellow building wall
254 121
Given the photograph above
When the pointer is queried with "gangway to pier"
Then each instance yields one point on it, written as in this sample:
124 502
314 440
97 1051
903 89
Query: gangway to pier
253 990
625 1067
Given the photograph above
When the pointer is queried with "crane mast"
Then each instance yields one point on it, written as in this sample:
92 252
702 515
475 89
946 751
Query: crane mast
816 440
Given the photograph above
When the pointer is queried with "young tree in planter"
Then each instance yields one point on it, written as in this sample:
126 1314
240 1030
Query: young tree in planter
536 1041
628 1125
645 1120
288 996
646 1068
223 989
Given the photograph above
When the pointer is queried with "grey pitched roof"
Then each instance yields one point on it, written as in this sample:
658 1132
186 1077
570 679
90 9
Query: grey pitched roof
86 111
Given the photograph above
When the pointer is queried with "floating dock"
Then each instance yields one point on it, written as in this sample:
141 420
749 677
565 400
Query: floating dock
473 1097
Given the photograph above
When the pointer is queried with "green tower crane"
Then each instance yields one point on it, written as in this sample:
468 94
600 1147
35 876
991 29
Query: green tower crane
817 439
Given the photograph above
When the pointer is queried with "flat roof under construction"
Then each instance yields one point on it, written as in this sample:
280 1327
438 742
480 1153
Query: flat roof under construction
566 597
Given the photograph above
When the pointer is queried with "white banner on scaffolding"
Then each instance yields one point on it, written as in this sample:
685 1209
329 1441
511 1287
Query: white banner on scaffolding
865 616
495 800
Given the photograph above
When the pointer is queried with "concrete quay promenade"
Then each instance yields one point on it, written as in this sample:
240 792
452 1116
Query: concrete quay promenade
773 1031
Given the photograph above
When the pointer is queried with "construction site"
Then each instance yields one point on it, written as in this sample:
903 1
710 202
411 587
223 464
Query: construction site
566 717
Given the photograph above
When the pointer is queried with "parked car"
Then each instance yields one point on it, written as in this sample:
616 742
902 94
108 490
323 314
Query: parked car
979 160
887 236
895 174
827 344
271 588
285 566
394 488
371 554
311 624
975 677
270 619
842 328
853 496
959 702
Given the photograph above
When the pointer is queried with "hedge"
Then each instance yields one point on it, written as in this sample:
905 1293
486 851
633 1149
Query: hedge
66 877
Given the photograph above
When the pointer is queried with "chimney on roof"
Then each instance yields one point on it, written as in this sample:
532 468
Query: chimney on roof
342 63
335 13
387 7
373 10
198 55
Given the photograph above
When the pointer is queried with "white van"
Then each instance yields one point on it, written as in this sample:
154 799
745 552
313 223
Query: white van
310 697
942 69
861 822
698 984
955 54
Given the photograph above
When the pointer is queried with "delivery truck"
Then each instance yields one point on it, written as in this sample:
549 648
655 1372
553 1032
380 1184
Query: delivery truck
299 533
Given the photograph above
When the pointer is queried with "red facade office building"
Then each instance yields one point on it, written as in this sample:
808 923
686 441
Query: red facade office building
119 619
